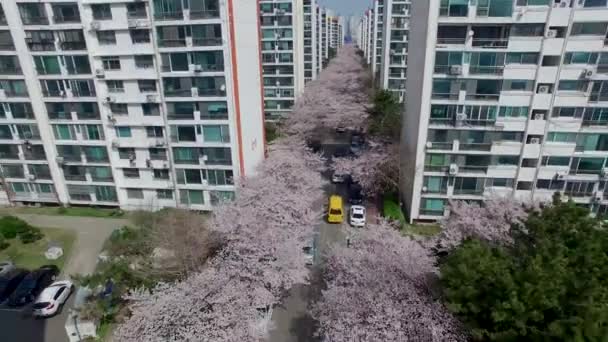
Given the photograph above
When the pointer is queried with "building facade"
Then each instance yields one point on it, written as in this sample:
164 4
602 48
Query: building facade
393 67
133 104
310 46
510 100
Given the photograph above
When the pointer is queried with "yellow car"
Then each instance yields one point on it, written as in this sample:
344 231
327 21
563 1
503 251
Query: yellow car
335 213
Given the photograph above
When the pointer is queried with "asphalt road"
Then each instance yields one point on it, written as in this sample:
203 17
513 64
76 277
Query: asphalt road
18 325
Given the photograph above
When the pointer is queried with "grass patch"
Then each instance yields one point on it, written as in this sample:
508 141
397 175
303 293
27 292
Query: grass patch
392 210
31 255
104 331
421 229
71 211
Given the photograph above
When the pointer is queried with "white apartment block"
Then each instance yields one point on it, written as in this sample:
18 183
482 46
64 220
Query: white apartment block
319 47
377 35
393 67
282 54
132 104
310 36
506 98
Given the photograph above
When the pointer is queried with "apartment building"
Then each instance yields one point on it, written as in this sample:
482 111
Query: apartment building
310 46
393 67
133 104
377 38
320 48
510 99
282 25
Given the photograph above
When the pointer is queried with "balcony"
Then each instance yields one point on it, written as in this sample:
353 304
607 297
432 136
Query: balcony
178 93
444 96
483 97
66 19
35 20
207 41
72 46
491 43
486 70
172 42
40 46
176 15
204 14
447 146
485 147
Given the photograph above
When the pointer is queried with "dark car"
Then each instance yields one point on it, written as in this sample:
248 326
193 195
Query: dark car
33 284
355 194
9 282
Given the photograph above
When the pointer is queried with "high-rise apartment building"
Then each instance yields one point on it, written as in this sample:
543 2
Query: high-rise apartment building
393 67
283 54
310 35
377 38
506 98
136 104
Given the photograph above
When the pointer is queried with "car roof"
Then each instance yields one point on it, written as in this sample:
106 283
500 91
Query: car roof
357 208
335 200
48 293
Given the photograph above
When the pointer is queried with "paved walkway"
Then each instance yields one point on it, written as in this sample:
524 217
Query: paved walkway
91 233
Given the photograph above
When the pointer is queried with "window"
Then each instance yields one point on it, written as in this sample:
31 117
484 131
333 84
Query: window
189 197
135 194
130 173
119 108
115 86
217 155
106 37
185 155
64 132
513 112
146 85
164 194
573 85
568 112
580 58
154 131
140 36
220 177
550 184
77 65
91 132
123 132
555 161
111 63
589 29
161 174
218 197
158 153
189 176
150 109
522 58
136 10
433 207
101 11
105 193
47 65
216 133
144 61
126 153
563 137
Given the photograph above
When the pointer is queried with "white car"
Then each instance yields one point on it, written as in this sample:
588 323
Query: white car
357 216
52 298
309 257
339 178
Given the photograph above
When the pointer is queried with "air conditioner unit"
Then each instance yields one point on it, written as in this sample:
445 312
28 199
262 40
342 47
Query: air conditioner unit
461 117
456 70
194 92
543 90
604 173
109 99
62 93
148 163
539 116
429 144
453 169
95 25
59 160
132 23
534 140
115 143
151 98
560 176
551 34
425 189
597 197
160 143
31 177
111 119
197 68
564 3
588 73
100 73
203 159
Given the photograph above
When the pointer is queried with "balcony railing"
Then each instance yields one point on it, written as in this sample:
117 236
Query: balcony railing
7 47
80 178
172 42
483 97
431 212
76 45
35 20
208 41
475 192
441 145
11 71
475 146
445 96
177 15
211 92
490 43
83 93
41 46
578 193
179 93
205 14
486 70
595 122
451 41
184 116
59 19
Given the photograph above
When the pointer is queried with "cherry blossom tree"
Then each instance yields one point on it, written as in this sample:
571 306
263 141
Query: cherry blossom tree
263 231
378 290
492 221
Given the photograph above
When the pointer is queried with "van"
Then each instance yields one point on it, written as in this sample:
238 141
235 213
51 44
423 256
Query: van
335 213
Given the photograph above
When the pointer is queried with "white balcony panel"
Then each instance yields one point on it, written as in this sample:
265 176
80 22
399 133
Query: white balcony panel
512 124
527 174
565 99
574 72
532 14
523 44
553 46
558 149
597 14
547 74
519 72
548 172
506 148
531 151
541 101
502 171
559 16
536 127
564 125
585 43
513 98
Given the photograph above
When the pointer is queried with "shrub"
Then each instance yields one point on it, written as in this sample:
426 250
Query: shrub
33 234
62 210
392 210
11 226
3 244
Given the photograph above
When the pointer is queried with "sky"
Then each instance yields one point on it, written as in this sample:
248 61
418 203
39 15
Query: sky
347 7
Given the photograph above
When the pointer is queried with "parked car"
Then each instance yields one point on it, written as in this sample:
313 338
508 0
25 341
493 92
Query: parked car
340 178
6 266
52 298
335 213
357 216
355 194
9 282
32 284
340 129
342 152
309 257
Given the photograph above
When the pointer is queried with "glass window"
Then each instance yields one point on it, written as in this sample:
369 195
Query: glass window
135 194
123 132
64 132
105 193
216 133
164 194
189 197
561 137
144 61
101 11
111 62
140 36
106 37
119 108
589 28
130 173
